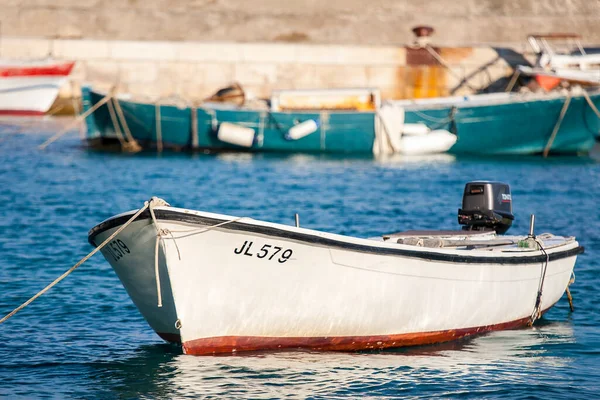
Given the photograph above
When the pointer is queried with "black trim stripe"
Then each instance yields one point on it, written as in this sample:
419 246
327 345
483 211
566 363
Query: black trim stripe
177 216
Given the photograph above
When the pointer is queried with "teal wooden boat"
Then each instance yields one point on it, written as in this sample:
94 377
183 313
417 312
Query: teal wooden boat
501 123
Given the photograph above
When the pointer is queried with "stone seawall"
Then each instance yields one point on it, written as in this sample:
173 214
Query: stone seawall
353 22
194 70
162 48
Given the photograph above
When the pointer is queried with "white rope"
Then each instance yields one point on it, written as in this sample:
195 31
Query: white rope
194 126
54 111
563 112
74 267
131 144
440 121
115 122
444 64
176 246
77 120
591 103
150 204
156 270
159 234
192 232
159 144
513 81
162 233
214 122
117 105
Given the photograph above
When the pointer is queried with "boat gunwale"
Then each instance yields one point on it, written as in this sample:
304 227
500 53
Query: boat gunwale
273 231
411 105
132 101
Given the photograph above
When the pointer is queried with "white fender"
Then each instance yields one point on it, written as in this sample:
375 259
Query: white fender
235 134
302 129
438 141
418 129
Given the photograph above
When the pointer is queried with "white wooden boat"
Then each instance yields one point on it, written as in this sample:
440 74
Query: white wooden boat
229 284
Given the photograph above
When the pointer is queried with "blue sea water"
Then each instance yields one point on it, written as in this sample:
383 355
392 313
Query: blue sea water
85 338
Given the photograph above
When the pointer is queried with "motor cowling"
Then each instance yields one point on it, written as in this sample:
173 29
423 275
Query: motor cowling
486 206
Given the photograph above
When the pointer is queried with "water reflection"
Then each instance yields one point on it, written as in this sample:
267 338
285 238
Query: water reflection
515 357
11 127
401 159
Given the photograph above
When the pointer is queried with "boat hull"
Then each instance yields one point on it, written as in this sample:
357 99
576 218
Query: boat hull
136 271
233 344
30 88
517 127
513 125
231 289
28 95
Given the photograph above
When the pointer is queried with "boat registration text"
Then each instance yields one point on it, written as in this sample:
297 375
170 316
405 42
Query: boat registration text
267 251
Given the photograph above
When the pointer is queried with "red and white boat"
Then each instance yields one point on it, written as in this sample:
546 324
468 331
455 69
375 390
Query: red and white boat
220 284
30 87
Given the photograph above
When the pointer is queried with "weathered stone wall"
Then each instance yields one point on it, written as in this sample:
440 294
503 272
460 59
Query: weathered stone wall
162 48
355 22
194 70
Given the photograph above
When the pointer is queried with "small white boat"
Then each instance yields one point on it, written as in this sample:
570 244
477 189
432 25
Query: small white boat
30 87
227 284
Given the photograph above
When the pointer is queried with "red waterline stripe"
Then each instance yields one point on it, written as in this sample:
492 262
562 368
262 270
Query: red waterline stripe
62 69
23 113
231 344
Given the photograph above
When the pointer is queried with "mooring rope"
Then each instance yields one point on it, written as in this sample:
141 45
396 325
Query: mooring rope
77 120
440 121
192 232
159 234
84 259
569 297
115 122
446 65
194 126
131 144
537 310
563 112
162 233
54 110
591 103
130 138
513 81
75 101
159 143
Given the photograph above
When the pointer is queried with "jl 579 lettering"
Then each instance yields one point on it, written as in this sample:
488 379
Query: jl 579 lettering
267 251
117 249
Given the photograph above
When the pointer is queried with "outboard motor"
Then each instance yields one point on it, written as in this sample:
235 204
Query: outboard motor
486 206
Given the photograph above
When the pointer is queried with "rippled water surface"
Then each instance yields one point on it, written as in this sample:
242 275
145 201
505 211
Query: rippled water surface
85 338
